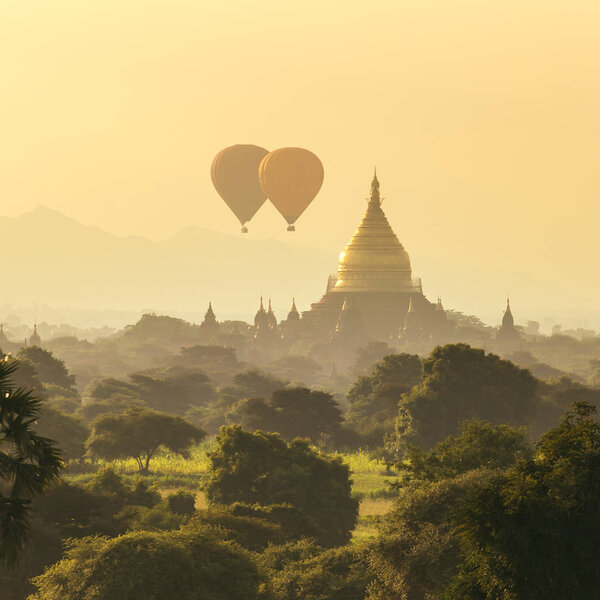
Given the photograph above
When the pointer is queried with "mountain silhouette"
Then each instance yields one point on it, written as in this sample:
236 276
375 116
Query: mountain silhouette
52 259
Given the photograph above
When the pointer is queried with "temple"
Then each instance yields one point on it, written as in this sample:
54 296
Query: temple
373 297
374 281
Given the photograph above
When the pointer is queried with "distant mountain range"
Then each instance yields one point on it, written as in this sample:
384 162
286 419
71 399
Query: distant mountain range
53 262
51 259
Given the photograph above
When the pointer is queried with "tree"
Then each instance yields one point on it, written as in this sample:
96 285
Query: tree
162 330
291 412
478 444
418 550
302 572
173 390
374 398
138 433
146 565
213 357
68 431
296 368
218 361
370 354
182 502
260 468
248 528
400 372
254 384
110 388
29 463
534 531
50 369
24 375
556 398
460 383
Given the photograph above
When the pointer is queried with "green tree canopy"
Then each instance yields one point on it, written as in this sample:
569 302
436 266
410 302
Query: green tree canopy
138 433
291 412
534 531
295 368
68 431
374 398
556 398
172 390
478 444
260 468
50 369
146 565
460 383
302 572
418 550
254 384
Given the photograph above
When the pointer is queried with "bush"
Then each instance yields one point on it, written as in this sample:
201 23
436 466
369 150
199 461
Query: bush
182 502
260 468
151 566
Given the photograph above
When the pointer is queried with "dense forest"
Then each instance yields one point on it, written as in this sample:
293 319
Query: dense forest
149 465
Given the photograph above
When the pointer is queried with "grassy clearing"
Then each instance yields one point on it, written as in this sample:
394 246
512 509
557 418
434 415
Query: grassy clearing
372 485
170 472
369 508
370 512
360 461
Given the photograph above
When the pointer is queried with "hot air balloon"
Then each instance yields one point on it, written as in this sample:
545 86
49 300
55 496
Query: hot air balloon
291 178
234 173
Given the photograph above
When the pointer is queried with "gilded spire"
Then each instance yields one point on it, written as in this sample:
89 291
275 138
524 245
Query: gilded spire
374 260
375 199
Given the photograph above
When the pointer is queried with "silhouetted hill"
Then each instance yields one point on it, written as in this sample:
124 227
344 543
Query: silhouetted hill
52 259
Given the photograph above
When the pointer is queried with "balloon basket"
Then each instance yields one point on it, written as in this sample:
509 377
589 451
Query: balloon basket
291 228
244 229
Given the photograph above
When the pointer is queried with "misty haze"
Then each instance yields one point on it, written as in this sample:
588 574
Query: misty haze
300 300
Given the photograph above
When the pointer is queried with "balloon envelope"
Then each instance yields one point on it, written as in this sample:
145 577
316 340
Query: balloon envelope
291 178
234 173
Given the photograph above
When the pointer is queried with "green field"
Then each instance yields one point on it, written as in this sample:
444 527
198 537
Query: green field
370 481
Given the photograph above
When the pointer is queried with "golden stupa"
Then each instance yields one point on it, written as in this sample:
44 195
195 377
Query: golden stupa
374 260
373 277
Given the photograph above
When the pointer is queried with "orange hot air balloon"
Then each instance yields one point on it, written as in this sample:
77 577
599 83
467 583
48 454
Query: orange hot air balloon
234 173
291 178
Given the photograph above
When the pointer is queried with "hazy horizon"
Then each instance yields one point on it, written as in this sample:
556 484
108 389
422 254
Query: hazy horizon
301 273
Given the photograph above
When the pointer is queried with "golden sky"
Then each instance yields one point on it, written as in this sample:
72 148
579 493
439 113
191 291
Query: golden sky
483 118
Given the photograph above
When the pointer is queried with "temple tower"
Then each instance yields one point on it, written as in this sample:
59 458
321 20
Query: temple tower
507 332
209 325
35 339
374 274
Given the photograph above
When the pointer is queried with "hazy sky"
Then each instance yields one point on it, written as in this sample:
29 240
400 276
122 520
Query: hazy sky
483 119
